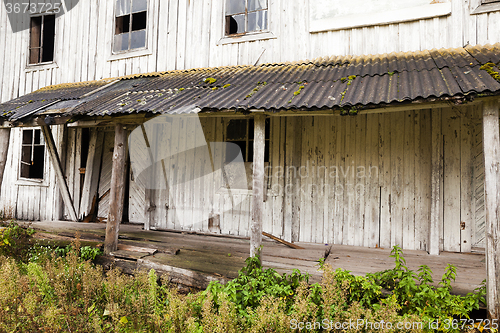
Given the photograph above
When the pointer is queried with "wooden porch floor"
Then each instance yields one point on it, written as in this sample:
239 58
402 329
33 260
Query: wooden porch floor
221 256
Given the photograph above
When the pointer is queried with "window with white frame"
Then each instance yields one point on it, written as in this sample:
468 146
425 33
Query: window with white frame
245 16
32 154
130 25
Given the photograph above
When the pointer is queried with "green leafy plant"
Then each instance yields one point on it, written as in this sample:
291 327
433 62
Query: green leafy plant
254 283
89 253
15 240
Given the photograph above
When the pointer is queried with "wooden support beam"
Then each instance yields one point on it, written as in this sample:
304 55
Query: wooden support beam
258 184
56 163
4 148
491 146
117 190
436 177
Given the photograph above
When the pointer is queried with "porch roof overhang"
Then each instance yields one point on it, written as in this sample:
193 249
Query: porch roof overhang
344 84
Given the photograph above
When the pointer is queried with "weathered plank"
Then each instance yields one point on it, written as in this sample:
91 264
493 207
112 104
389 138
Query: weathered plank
451 188
491 140
56 163
397 174
466 182
4 148
409 181
436 220
117 189
258 184
92 171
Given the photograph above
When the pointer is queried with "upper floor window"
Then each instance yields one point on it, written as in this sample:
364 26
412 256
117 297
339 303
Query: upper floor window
32 154
42 37
130 25
243 16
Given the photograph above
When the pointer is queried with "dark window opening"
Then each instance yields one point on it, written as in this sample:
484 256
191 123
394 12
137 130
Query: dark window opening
122 24
231 26
32 154
130 25
244 16
139 21
42 38
85 147
240 132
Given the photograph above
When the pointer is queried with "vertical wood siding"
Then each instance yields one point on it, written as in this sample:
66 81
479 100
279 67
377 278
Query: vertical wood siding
30 202
186 34
358 180
362 180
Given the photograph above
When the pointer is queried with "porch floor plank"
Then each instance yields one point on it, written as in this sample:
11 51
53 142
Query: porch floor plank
225 256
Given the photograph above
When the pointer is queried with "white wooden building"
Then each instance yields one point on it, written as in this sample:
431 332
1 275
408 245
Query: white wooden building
406 168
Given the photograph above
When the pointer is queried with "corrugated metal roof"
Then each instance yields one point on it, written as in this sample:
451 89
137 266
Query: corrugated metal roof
324 83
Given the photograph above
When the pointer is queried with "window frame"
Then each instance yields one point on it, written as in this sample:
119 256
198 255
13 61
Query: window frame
140 51
40 55
484 6
248 165
247 36
246 13
32 181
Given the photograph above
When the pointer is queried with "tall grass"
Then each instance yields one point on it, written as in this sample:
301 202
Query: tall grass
61 292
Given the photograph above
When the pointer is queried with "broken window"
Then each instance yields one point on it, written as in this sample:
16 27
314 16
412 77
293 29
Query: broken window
130 25
42 37
244 16
32 154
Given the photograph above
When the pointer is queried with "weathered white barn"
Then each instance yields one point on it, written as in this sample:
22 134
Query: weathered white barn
349 148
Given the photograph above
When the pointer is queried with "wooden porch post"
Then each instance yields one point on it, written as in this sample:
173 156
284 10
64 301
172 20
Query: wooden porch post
258 184
4 148
491 142
56 163
117 191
